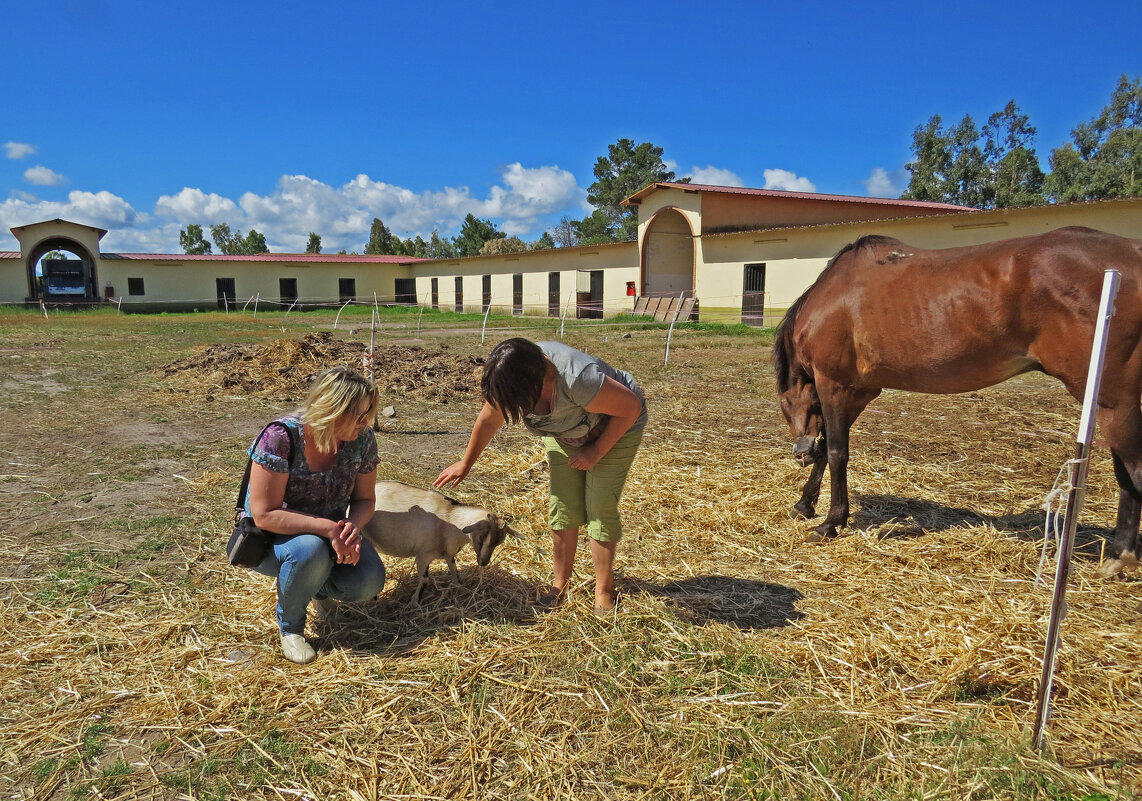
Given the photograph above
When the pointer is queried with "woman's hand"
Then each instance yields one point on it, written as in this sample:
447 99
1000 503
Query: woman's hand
346 541
585 458
452 475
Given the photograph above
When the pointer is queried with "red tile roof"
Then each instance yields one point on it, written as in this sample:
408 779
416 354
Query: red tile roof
314 258
735 190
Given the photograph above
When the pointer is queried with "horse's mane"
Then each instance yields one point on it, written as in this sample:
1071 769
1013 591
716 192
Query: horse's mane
784 361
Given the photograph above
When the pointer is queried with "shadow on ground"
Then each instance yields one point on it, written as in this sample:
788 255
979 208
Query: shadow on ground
893 516
738 602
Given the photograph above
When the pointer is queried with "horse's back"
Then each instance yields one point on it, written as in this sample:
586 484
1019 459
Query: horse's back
887 315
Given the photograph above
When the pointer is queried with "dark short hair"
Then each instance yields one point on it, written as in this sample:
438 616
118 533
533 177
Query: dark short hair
513 377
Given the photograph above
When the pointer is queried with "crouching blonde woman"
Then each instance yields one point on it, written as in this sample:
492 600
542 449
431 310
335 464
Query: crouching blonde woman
316 501
590 417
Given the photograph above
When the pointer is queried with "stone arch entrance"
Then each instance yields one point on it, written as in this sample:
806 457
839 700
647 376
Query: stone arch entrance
668 256
73 280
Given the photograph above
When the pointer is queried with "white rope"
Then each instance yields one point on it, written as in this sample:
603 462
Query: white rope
1055 511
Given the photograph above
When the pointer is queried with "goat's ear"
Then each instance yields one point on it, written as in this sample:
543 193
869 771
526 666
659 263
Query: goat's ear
478 529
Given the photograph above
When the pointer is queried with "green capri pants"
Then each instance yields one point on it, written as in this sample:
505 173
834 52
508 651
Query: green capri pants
590 497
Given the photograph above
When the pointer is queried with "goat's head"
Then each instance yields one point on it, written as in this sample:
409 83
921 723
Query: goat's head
487 535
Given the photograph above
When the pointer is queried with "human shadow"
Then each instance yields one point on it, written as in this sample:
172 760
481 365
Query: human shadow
894 517
391 625
738 602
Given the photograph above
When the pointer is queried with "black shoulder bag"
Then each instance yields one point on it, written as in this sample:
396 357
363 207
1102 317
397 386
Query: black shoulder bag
249 544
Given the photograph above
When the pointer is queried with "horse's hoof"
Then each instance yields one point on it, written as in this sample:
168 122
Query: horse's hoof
815 538
804 511
821 534
1127 563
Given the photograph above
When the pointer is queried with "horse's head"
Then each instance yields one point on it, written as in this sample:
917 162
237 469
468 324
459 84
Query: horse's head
802 410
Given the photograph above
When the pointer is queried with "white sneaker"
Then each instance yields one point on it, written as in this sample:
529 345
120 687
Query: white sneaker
296 649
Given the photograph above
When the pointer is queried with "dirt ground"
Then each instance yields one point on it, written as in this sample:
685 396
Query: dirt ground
120 458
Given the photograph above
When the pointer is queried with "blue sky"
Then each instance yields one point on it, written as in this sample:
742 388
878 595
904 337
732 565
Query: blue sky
291 117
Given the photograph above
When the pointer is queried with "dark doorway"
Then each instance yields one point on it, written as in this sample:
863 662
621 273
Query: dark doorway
517 293
287 290
406 291
459 294
347 289
753 295
226 293
553 294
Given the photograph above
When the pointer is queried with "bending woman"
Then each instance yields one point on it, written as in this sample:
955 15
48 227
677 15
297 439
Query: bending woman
317 500
590 417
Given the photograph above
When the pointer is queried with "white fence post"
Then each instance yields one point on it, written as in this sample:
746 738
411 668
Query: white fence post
487 311
670 333
337 319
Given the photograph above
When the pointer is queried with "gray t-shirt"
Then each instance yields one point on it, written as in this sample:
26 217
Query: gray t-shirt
579 377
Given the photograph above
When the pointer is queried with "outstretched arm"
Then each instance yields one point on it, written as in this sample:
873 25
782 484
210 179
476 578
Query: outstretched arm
488 422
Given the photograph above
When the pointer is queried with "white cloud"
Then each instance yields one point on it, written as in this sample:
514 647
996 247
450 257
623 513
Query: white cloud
521 204
18 150
194 205
42 176
881 183
787 181
715 176
342 215
99 209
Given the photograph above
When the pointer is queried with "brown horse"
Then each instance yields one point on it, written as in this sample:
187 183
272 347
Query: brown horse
884 315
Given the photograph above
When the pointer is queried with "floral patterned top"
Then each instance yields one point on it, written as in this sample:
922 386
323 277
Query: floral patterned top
322 493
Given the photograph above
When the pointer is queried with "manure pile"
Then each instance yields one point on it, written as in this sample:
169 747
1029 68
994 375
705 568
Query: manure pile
284 368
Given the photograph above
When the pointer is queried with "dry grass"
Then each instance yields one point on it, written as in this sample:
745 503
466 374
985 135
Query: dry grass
899 661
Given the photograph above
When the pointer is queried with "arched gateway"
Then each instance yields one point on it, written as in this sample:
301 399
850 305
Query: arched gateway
63 279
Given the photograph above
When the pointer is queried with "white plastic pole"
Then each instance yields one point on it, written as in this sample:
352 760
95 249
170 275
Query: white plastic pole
257 297
421 314
338 317
1079 467
670 333
372 344
487 311
563 321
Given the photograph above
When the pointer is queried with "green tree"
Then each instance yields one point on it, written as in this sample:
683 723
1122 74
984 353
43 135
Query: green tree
416 248
545 242
254 242
228 242
1104 160
314 245
439 248
192 242
627 168
380 239
596 229
474 233
1009 150
948 166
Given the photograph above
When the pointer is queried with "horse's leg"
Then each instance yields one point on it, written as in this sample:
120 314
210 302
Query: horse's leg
839 415
807 506
1122 427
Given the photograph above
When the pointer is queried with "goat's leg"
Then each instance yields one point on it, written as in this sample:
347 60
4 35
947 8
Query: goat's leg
421 577
451 560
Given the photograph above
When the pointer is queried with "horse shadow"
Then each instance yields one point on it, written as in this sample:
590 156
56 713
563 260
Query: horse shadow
895 517
738 602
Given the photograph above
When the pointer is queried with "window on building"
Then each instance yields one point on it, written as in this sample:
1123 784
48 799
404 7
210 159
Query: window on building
406 291
135 286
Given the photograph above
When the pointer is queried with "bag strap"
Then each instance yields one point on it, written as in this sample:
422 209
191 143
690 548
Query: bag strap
240 506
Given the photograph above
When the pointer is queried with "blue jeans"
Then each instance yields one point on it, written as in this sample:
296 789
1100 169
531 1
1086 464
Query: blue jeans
305 568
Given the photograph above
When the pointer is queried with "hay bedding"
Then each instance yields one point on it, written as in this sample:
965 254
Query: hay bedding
742 661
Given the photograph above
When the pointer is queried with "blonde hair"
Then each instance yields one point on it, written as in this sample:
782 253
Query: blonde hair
334 393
